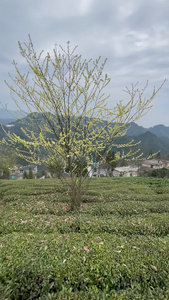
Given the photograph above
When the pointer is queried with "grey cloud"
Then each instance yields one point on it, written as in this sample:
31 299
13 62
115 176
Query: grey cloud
133 35
148 14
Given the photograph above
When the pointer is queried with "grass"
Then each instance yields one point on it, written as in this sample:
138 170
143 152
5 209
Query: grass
115 247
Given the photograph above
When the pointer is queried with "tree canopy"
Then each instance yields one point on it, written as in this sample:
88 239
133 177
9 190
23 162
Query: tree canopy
76 123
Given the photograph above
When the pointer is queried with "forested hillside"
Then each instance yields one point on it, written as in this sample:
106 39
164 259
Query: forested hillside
152 139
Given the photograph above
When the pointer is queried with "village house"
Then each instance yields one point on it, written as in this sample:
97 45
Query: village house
18 171
103 170
166 164
98 170
128 171
150 164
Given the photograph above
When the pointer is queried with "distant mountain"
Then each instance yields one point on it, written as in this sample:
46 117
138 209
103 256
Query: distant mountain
6 121
146 142
160 131
155 138
135 130
165 140
149 141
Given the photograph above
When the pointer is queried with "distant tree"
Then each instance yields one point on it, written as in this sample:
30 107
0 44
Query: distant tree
68 92
111 161
159 173
25 175
30 174
7 160
153 173
41 173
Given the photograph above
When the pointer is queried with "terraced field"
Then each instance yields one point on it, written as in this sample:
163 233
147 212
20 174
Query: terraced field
115 247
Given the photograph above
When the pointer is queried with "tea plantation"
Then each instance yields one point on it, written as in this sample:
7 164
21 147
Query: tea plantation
115 247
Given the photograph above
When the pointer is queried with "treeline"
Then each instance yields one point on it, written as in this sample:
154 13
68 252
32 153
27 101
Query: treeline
159 173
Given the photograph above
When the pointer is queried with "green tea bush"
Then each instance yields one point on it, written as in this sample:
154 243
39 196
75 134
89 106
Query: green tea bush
115 247
50 264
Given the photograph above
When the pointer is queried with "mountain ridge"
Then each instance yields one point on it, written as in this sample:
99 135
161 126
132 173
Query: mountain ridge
153 139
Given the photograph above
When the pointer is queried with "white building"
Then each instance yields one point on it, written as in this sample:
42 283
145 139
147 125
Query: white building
97 170
152 164
18 172
128 171
103 170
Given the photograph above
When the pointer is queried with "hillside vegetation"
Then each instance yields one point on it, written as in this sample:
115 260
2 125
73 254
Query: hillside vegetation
155 138
115 247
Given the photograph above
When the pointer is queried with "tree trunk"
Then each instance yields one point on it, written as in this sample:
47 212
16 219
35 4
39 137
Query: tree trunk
75 194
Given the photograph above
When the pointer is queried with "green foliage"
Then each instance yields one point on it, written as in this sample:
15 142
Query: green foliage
25 175
80 168
30 174
160 173
7 160
55 165
115 247
111 160
41 173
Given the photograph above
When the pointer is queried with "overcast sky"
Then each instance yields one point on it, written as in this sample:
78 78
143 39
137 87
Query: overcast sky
132 34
